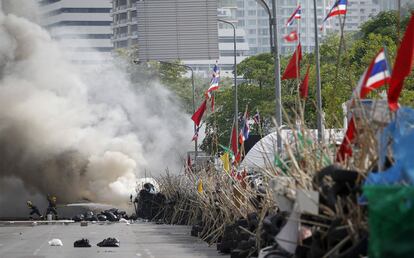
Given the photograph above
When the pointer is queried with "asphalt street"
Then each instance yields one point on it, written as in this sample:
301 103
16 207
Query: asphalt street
136 240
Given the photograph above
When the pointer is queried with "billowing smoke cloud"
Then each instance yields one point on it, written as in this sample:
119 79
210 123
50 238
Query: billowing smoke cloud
76 135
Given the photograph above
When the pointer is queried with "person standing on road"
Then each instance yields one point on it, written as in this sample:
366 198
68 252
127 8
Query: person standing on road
34 210
51 209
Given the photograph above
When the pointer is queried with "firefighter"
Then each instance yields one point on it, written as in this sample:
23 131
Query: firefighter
51 209
34 210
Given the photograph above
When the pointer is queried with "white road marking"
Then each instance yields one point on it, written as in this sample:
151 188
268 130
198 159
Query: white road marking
47 240
149 253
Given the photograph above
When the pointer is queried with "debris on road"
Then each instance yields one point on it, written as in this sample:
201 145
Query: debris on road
55 242
82 243
109 242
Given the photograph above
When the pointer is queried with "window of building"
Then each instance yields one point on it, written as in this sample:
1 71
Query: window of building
251 22
77 10
251 12
81 23
84 36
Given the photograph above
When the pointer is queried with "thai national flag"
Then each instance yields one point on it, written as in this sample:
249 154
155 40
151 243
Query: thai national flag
216 71
377 75
214 83
195 137
245 131
337 9
296 15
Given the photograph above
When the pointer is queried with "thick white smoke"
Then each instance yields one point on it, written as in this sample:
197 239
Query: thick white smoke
76 135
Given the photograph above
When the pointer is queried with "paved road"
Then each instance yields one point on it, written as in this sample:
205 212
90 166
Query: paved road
136 240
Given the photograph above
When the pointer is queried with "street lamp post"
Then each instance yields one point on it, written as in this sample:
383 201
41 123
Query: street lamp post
236 103
274 48
269 13
318 77
192 84
278 91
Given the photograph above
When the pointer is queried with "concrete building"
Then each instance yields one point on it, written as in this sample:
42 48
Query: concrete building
124 15
125 35
83 27
387 5
255 20
226 59
358 12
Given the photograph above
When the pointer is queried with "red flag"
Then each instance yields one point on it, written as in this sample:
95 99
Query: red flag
292 36
403 65
345 150
199 113
293 67
234 145
304 86
238 158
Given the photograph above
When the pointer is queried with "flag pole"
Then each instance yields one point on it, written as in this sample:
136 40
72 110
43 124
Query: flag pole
278 91
318 78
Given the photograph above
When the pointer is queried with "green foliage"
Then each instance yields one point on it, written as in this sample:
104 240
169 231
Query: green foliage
385 23
256 69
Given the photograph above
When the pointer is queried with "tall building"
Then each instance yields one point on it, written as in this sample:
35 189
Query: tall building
125 34
226 11
255 20
124 14
358 12
387 5
83 27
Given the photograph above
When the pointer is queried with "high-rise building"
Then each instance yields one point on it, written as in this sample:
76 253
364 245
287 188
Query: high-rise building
387 5
124 14
125 30
83 27
226 11
255 20
358 12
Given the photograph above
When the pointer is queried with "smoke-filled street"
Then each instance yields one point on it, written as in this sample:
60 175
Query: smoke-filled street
136 240
206 128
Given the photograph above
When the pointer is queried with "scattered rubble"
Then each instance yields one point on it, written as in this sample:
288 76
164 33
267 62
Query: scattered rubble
109 242
82 243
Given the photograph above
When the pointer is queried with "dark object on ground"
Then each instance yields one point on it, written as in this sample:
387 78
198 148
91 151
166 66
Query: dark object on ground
78 218
101 217
110 216
149 204
236 238
82 243
89 216
334 182
109 242
272 224
195 230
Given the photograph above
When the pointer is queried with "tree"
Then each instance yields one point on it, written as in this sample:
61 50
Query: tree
256 69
